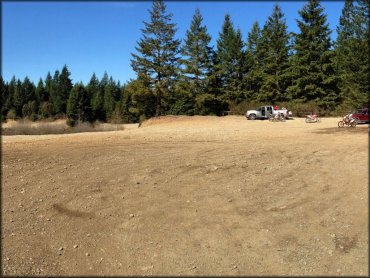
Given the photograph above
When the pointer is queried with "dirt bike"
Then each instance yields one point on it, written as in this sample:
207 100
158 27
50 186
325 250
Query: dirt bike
276 117
313 118
347 120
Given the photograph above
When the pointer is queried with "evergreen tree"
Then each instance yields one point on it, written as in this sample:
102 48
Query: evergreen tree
54 88
9 102
275 62
18 98
48 85
253 68
78 105
352 53
126 104
41 93
64 88
230 57
29 90
158 50
98 99
143 101
315 79
214 76
109 102
46 109
93 90
60 89
197 55
4 96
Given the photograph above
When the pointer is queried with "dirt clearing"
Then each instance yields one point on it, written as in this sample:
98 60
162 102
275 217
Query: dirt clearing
188 196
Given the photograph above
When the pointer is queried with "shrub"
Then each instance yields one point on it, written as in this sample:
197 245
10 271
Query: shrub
46 110
26 127
11 115
34 117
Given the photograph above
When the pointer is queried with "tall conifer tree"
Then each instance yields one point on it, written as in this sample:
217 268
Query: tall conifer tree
315 78
352 53
275 60
197 55
231 60
253 70
157 61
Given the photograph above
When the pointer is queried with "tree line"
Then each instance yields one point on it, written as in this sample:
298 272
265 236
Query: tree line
191 77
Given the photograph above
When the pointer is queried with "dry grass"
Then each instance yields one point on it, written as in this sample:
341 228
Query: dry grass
26 127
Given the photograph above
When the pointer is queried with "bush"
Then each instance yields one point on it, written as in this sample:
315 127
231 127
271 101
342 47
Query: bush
29 108
11 115
26 127
46 110
34 117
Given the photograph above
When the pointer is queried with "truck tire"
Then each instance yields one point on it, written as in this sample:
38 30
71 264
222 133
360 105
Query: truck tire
252 117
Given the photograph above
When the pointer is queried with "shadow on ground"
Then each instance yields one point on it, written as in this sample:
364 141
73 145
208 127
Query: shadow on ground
333 130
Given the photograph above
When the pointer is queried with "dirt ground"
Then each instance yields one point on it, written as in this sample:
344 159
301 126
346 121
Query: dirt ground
188 196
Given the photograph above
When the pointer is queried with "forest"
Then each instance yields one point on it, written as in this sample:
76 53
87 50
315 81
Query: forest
304 71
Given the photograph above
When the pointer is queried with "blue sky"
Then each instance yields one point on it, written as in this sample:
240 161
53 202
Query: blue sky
38 37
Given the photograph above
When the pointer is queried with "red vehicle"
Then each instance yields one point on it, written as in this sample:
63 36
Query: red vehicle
362 115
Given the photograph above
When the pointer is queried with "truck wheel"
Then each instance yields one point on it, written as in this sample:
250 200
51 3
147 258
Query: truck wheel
252 116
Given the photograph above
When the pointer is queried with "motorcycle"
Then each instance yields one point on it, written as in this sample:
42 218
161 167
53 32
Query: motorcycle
279 117
313 118
347 120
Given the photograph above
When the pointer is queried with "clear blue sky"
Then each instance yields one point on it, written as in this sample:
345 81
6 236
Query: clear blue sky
38 37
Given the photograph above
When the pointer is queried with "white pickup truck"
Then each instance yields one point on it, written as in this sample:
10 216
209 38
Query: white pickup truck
264 112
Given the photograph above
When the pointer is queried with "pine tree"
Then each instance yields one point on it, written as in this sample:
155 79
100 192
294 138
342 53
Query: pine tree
315 78
60 89
253 68
54 90
157 61
41 94
352 53
197 55
230 58
9 102
93 90
109 102
46 109
78 105
64 88
275 63
143 101
4 96
48 85
18 98
29 90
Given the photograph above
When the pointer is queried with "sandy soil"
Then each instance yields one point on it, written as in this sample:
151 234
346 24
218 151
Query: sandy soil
188 196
